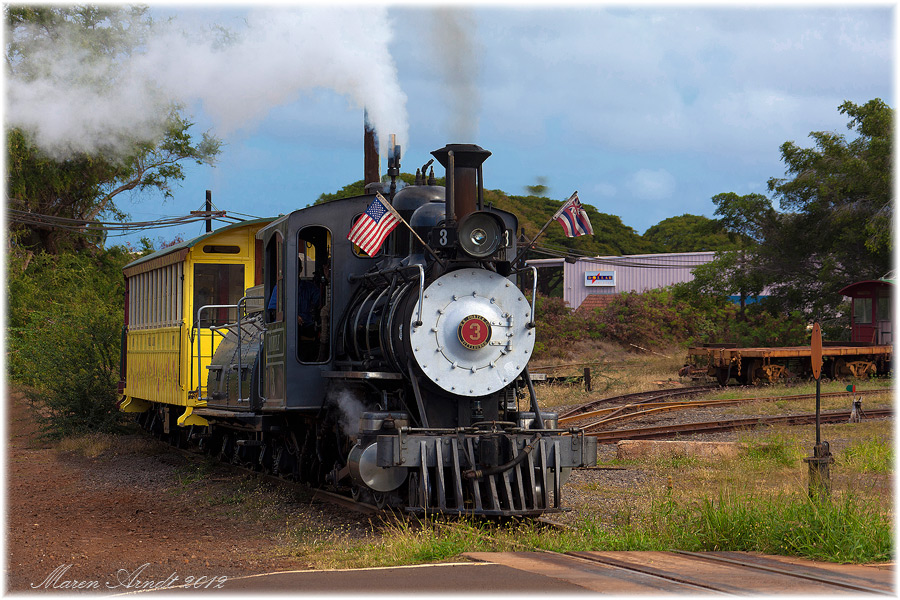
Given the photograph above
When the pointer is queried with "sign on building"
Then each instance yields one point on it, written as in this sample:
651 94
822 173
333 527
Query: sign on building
600 278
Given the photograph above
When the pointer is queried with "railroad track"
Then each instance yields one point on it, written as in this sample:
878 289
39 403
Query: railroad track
296 487
577 412
631 411
663 431
681 572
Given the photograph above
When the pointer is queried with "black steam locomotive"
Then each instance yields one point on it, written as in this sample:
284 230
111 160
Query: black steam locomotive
401 377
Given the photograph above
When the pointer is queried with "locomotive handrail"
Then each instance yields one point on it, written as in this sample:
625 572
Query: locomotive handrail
243 302
533 298
418 323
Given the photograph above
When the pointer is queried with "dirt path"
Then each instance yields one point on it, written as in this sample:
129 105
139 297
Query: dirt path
133 510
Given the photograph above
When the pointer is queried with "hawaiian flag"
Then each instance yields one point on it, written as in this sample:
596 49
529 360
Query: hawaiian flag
573 218
374 225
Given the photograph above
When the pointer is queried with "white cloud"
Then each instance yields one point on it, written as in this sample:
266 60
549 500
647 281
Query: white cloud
646 184
604 190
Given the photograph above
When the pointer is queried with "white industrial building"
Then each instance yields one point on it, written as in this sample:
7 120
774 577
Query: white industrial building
590 282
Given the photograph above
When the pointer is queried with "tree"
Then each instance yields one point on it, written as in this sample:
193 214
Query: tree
689 233
63 334
846 184
837 224
539 188
834 224
747 219
82 186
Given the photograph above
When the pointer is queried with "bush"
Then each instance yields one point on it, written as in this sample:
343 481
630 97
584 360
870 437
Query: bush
664 316
64 335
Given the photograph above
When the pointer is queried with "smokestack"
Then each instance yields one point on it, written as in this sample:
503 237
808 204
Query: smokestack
370 149
465 188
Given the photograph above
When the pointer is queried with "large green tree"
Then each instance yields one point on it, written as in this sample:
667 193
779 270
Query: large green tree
83 186
836 228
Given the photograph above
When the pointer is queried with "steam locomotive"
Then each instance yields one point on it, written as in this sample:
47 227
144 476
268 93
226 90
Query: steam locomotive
401 377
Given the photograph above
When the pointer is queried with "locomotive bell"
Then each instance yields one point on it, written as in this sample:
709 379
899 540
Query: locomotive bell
465 187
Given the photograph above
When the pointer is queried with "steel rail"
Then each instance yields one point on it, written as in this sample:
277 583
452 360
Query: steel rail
652 407
788 572
319 494
634 398
729 425
649 571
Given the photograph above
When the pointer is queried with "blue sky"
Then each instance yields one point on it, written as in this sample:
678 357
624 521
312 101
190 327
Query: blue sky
648 112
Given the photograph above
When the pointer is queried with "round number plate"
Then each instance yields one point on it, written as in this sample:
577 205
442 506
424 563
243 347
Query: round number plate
474 332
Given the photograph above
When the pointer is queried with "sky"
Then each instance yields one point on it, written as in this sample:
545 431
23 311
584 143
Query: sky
646 111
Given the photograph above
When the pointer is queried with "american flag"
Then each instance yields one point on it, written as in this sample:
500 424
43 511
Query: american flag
371 229
573 218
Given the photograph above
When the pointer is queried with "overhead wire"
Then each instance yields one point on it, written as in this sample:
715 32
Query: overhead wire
92 227
664 262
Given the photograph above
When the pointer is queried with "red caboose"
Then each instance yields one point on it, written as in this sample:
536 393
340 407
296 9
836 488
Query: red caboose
871 316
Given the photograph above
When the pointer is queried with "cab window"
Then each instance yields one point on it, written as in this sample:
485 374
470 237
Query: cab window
313 280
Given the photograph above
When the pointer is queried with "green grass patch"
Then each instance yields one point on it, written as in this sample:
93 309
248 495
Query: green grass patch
775 449
844 529
871 455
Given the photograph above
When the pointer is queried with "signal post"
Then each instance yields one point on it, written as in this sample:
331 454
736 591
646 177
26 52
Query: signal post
819 472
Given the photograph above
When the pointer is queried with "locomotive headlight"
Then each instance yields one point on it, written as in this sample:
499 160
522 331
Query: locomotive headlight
480 234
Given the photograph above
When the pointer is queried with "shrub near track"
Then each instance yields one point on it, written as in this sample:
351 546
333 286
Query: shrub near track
662 317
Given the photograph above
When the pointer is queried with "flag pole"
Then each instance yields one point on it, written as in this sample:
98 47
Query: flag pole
408 226
544 228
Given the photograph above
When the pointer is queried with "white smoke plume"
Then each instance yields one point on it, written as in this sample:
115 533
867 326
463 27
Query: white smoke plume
351 409
456 58
74 104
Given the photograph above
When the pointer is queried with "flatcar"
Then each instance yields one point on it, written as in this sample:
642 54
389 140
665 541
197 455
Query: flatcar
868 353
399 377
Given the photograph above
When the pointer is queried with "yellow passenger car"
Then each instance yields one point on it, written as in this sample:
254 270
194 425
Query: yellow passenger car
167 350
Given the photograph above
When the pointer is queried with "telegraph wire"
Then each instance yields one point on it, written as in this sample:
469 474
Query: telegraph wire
91 227
665 262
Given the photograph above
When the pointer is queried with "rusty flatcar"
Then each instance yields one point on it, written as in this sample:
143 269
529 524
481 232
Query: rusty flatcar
869 351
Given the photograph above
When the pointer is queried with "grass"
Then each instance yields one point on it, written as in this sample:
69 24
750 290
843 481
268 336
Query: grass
843 529
96 445
614 370
871 455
